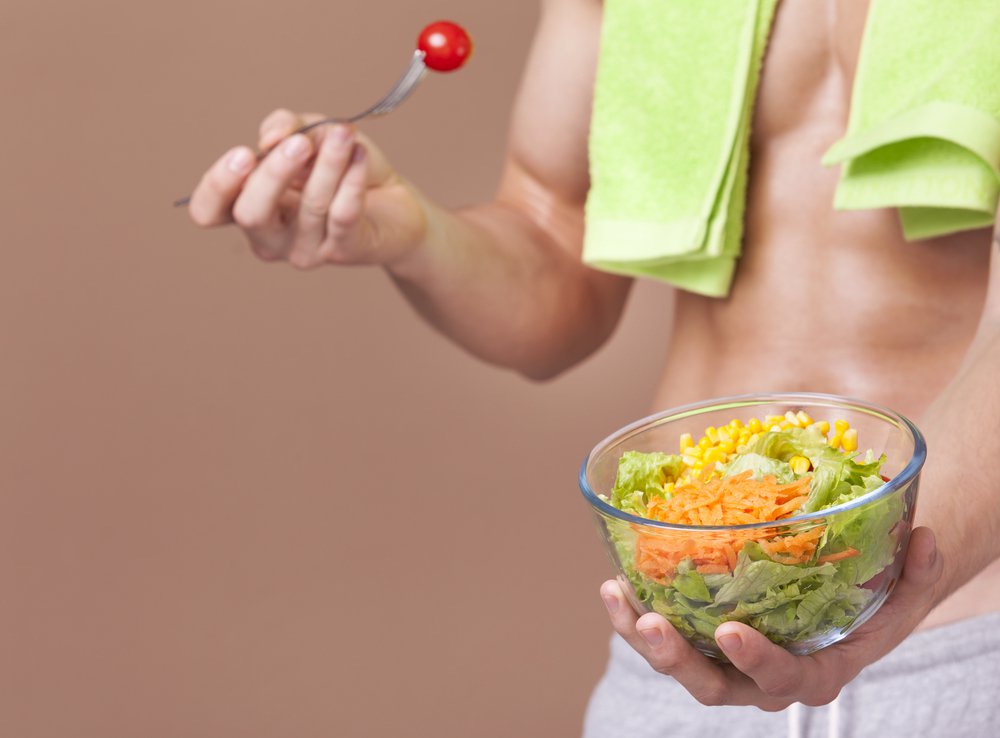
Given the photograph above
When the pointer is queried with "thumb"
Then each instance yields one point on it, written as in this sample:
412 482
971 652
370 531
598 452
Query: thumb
915 591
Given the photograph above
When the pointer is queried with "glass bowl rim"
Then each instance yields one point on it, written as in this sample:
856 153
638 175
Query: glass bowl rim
908 473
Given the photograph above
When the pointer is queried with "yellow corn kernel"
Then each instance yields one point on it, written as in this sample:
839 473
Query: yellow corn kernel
772 419
712 434
799 464
841 425
686 441
744 436
713 455
669 488
774 428
792 419
735 424
724 435
835 440
785 425
695 451
804 418
850 440
742 448
704 442
689 459
822 426
728 447
698 464
753 439
755 425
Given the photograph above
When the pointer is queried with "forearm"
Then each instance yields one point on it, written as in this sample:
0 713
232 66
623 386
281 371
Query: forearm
960 497
509 288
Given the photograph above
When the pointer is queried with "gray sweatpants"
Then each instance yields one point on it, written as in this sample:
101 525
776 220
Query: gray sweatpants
943 682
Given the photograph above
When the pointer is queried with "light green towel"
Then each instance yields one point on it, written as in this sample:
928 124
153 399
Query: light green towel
924 131
669 138
672 106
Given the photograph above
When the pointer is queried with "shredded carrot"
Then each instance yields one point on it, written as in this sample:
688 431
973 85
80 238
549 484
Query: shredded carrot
840 556
736 500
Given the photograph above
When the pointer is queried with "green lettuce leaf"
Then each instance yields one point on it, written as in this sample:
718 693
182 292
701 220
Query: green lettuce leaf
762 466
642 477
690 583
870 530
753 579
834 472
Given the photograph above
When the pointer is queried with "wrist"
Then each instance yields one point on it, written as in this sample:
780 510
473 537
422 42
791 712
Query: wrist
414 258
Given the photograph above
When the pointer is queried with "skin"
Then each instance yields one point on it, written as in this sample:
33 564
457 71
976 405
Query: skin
914 326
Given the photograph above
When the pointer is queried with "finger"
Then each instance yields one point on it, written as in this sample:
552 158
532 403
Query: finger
212 200
914 594
924 563
665 649
777 673
277 125
280 124
817 679
349 202
328 170
257 209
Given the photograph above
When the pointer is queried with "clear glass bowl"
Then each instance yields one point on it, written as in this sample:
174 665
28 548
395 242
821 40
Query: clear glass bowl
858 585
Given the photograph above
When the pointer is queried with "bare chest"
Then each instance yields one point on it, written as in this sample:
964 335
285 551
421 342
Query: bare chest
826 300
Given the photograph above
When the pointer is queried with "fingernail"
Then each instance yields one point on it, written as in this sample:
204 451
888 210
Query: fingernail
240 161
295 147
611 602
652 636
730 642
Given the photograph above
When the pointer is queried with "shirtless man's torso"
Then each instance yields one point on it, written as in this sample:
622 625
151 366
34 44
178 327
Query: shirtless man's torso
891 320
822 301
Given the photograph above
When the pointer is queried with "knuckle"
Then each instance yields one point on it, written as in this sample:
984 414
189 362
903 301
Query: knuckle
200 215
314 207
821 697
336 252
274 117
303 260
713 695
785 686
248 217
665 663
264 253
344 217
776 706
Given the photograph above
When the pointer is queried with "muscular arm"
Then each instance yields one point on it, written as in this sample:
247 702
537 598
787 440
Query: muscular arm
960 497
505 279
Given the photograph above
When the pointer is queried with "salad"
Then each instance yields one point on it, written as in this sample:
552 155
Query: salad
791 581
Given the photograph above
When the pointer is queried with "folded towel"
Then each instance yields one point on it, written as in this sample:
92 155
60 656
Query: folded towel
924 130
672 107
669 138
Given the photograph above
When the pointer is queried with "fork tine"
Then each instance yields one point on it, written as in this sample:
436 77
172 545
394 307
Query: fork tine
405 87
397 97
399 91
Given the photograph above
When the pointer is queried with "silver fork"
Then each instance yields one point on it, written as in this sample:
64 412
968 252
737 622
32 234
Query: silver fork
405 85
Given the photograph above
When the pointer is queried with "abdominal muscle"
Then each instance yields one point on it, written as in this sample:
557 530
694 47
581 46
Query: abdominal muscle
827 301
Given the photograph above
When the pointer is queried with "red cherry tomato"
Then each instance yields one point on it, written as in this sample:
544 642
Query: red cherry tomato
446 46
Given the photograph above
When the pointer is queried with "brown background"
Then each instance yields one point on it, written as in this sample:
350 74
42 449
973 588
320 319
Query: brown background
240 500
